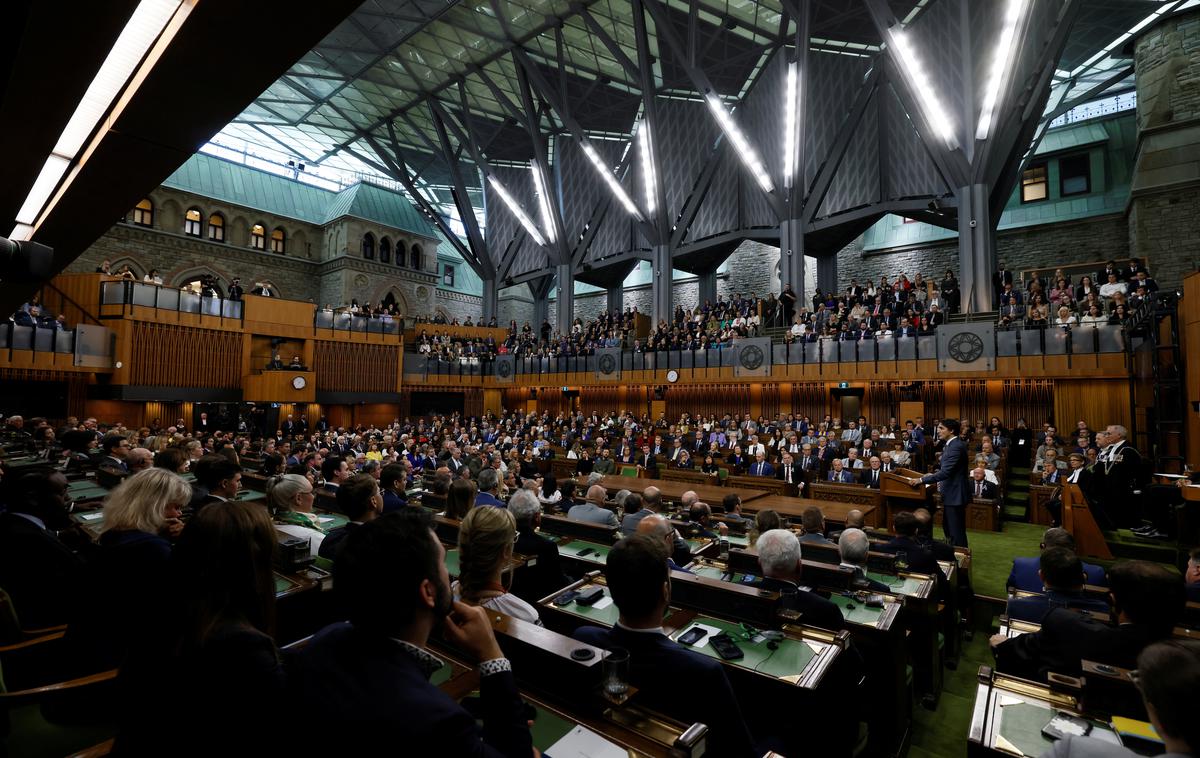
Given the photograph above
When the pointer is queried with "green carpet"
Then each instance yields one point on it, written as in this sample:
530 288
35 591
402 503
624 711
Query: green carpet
942 733
992 554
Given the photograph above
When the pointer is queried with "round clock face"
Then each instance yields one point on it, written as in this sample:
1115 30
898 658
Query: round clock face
299 382
672 375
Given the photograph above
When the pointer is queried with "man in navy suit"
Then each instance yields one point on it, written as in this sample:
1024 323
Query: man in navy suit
372 673
760 467
779 556
1025 571
952 473
660 668
1062 576
839 474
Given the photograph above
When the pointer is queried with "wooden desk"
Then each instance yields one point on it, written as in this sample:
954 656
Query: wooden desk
673 491
833 510
857 495
1039 495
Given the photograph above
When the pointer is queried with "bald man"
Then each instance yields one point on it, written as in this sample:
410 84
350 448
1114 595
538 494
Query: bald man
593 510
659 528
139 459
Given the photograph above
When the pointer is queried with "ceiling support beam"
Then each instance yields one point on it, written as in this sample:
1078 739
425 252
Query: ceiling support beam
462 200
791 227
837 151
691 205
610 44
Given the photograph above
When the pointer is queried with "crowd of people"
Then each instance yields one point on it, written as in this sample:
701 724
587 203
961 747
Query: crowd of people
1111 296
180 592
32 313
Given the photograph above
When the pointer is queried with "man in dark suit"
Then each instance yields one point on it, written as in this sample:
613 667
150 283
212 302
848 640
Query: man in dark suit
1146 599
116 449
840 474
952 473
539 577
660 668
1061 573
392 482
647 463
1000 278
288 426
218 479
919 558
38 570
873 475
760 467
335 470
809 461
813 522
779 555
853 546
372 673
360 501
789 471
981 488
1117 478
1025 573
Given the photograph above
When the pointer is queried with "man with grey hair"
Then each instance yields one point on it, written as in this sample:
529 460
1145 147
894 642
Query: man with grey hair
687 499
854 546
593 509
594 479
779 557
621 497
139 459
489 485
542 576
1117 481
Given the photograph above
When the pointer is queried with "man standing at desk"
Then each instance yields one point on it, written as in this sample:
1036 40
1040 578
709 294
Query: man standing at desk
952 472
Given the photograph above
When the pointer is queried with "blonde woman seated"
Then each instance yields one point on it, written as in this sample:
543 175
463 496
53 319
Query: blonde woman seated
1065 318
485 547
290 497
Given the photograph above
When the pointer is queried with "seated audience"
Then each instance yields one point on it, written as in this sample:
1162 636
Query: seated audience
813 522
489 487
700 514
853 546
660 668
393 478
544 574
485 546
779 555
371 673
1146 600
218 480
40 572
917 556
1062 577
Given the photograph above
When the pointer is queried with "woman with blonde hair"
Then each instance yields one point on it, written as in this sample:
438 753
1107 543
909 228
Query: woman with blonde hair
485 546
127 576
290 497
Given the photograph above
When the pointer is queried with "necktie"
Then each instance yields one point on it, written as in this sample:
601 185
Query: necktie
788 470
979 489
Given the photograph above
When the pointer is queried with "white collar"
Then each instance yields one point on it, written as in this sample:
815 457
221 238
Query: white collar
655 630
32 519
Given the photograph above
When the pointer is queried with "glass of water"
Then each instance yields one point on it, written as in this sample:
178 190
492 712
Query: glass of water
616 675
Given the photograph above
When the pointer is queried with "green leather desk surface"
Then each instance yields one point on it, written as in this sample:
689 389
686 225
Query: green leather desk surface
452 561
897 585
330 521
739 540
713 572
1020 723
607 616
790 659
860 614
572 548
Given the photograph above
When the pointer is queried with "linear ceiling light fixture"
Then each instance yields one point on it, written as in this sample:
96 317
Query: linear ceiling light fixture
742 145
539 184
516 210
649 176
791 106
1014 11
149 20
613 185
937 116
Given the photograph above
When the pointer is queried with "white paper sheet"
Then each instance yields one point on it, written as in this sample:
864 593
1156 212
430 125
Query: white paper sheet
584 743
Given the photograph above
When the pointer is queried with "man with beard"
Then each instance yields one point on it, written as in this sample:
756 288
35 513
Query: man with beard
372 673
37 569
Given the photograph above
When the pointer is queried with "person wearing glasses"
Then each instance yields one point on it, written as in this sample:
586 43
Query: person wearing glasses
116 449
952 473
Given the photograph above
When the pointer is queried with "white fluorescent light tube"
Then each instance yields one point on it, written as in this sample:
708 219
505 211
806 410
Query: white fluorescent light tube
143 27
649 180
1005 47
742 145
539 184
516 210
613 185
934 112
791 104
21 232
51 173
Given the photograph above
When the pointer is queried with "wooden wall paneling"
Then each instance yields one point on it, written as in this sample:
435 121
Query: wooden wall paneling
1098 402
972 400
933 395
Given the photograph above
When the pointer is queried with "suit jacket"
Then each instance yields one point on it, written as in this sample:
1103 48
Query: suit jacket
39 572
808 462
1066 638
797 472
649 463
332 544
393 502
541 576
665 672
920 558
1036 607
487 498
629 523
952 474
761 469
374 689
989 490
593 513
1024 574
844 476
871 477
816 610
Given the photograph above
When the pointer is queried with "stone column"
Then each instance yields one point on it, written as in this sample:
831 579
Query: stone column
615 298
1164 207
976 248
661 270
565 280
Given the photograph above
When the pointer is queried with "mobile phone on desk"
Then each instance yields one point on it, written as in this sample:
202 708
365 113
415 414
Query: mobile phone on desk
726 647
692 636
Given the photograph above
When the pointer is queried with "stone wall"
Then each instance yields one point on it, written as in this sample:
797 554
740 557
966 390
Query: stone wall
1039 247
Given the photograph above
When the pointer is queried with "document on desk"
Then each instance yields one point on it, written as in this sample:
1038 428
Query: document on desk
584 743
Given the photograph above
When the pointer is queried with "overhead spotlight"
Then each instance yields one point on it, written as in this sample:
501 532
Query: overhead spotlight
291 164
300 166
613 185
649 179
791 106
742 145
539 184
934 205
515 209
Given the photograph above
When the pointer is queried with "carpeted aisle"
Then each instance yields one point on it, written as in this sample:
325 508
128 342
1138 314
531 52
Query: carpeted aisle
992 554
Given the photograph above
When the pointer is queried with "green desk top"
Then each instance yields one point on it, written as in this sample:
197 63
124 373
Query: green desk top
441 676
714 572
548 728
739 540
572 548
1019 722
80 494
282 584
697 544
790 659
250 496
898 585
452 561
606 616
861 614
331 521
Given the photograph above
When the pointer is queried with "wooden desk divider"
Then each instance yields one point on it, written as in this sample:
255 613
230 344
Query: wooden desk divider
1077 519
